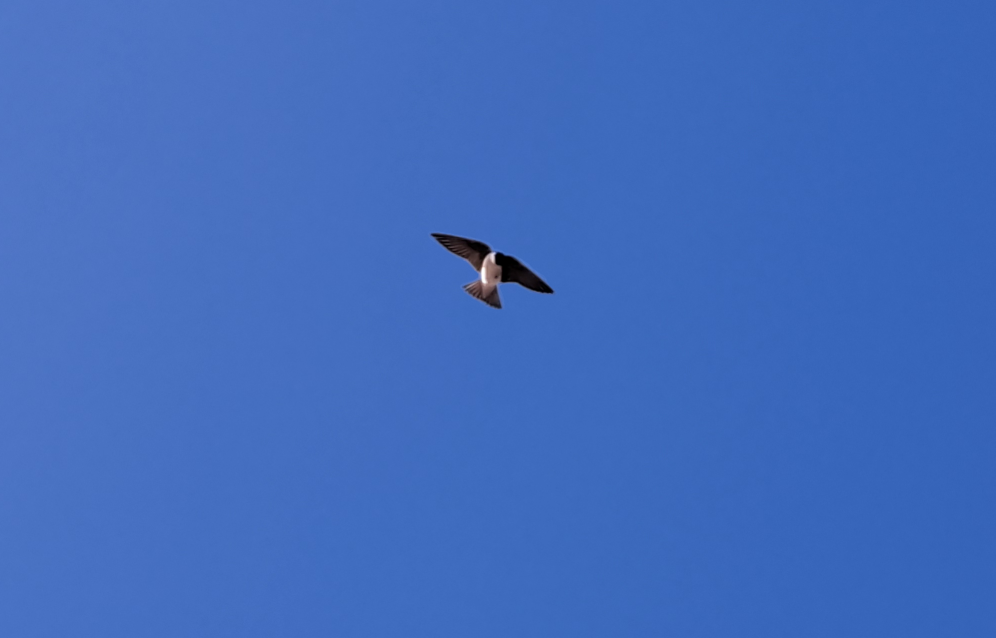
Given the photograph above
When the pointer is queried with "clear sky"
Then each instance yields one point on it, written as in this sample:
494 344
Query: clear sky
243 394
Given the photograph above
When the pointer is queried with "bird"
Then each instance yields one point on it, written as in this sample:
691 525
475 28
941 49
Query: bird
495 268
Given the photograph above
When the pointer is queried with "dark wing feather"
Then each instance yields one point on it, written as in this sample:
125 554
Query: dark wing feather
471 250
512 270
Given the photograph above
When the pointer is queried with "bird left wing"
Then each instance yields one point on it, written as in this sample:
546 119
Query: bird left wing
470 249
512 270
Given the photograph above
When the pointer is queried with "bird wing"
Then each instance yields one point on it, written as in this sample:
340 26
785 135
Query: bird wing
471 250
512 270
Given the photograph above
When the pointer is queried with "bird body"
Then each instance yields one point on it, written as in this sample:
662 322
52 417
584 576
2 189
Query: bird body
493 268
490 270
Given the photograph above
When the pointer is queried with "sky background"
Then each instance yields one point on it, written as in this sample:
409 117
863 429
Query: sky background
243 394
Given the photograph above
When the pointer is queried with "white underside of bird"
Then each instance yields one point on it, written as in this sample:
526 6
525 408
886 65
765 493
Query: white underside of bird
486 288
490 272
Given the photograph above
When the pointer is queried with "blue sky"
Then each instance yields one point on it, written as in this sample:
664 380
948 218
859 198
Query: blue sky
244 395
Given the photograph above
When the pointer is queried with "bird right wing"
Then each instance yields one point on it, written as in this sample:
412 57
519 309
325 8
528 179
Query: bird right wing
512 270
470 249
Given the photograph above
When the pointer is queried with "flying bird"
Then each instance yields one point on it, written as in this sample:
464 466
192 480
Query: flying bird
494 267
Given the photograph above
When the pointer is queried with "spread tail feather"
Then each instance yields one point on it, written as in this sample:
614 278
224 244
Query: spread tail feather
487 294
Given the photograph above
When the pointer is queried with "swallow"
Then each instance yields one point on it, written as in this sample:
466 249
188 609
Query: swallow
495 268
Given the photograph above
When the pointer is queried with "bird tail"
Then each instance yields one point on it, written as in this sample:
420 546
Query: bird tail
487 294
